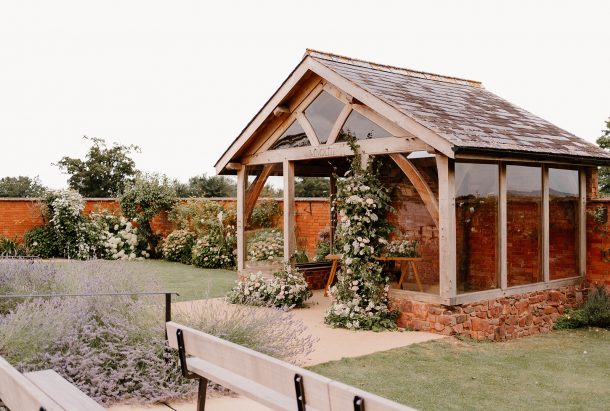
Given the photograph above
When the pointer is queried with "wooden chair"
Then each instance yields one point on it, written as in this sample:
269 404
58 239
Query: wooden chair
269 381
41 390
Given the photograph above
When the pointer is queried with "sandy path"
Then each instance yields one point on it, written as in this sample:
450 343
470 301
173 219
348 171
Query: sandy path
333 344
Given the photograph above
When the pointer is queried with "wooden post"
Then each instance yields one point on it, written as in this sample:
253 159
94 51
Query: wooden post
502 227
546 275
446 228
582 224
242 178
254 191
289 216
333 212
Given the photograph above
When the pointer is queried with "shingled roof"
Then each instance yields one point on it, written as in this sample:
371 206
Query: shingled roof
462 111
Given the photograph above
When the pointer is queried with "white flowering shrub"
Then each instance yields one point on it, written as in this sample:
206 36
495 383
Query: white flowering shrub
402 248
286 290
74 235
266 245
360 296
217 249
178 246
291 288
121 238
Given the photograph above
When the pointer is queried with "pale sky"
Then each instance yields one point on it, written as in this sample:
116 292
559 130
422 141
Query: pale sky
182 78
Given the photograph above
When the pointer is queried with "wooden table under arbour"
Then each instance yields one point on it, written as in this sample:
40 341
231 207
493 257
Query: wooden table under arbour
405 263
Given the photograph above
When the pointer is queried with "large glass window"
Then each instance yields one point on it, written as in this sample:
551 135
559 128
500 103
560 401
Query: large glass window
293 137
322 115
563 223
524 224
476 208
362 128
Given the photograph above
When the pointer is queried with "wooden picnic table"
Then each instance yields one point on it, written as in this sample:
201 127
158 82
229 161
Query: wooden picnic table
405 262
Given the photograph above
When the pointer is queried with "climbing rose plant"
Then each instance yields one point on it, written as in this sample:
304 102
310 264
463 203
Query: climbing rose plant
360 297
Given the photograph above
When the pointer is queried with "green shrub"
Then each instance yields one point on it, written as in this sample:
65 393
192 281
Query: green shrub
178 246
597 308
595 312
143 199
10 247
200 215
265 213
42 242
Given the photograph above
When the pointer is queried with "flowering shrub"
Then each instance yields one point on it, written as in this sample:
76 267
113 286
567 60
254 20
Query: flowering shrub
287 289
74 236
360 297
266 245
120 239
113 348
143 199
200 215
40 241
402 248
291 287
216 249
178 246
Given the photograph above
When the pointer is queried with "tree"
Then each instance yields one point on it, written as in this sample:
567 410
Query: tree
105 170
21 186
143 199
312 187
204 186
604 172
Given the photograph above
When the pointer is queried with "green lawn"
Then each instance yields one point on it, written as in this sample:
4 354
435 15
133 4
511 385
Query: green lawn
564 370
192 283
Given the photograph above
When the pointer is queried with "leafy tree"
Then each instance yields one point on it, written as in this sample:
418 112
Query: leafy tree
204 186
21 186
312 187
143 199
104 172
604 172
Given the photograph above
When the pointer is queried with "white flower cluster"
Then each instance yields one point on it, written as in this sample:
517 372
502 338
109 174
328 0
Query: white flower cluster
402 248
286 290
121 242
266 245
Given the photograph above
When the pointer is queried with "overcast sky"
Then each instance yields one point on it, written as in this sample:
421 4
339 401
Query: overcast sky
182 78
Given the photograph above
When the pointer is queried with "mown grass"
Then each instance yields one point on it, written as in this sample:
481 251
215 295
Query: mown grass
192 283
564 370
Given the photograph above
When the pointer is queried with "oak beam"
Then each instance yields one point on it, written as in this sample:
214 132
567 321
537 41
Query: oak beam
446 227
546 275
289 212
422 188
502 228
242 178
254 191
582 223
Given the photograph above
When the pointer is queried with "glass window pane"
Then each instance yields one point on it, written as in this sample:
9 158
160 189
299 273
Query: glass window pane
563 223
293 137
362 128
322 115
476 212
524 224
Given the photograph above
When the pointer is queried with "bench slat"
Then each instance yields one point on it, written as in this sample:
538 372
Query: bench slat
342 398
19 393
62 391
241 385
275 375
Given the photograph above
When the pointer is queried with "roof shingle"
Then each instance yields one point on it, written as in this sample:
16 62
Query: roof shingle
461 111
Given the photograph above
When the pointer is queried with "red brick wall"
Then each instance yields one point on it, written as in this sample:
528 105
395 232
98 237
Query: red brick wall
17 216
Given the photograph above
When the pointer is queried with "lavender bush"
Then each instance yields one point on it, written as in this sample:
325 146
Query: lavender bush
113 348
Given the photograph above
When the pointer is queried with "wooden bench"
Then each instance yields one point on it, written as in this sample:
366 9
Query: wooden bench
41 390
269 381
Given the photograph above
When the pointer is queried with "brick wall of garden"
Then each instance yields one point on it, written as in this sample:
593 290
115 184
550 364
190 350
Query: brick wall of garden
17 216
